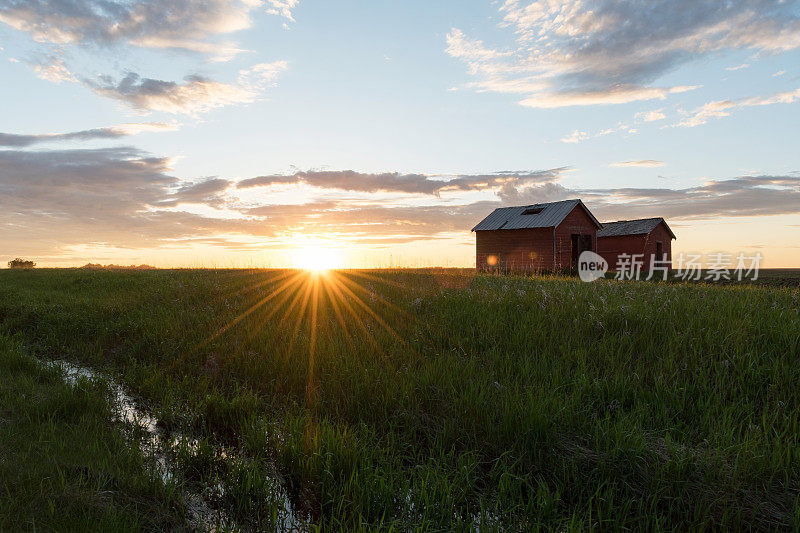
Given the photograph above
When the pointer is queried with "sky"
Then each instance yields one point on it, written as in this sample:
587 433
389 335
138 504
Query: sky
274 133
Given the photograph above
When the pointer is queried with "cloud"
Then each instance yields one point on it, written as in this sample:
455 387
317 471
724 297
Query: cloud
197 94
575 137
350 180
53 69
647 163
511 194
579 136
90 183
282 7
737 67
723 108
56 200
113 132
786 97
699 116
707 112
192 25
210 192
779 73
617 94
106 25
737 197
581 52
52 201
650 116
262 75
743 196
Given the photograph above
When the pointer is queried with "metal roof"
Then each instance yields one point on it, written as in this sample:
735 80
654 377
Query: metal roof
641 226
550 216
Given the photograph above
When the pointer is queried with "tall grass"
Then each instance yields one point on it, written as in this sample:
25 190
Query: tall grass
64 466
442 399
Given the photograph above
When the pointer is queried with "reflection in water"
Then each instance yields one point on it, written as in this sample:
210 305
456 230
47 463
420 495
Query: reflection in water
161 448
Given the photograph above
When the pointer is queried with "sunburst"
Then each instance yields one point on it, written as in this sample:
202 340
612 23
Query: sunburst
298 298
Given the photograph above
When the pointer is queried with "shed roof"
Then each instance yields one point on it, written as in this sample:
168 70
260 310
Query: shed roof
547 215
641 226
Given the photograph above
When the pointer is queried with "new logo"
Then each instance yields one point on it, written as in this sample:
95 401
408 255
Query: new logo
591 266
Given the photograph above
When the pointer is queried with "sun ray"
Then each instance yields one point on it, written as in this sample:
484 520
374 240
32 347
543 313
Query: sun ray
327 286
343 288
372 313
277 306
302 297
311 389
300 315
383 300
235 321
377 279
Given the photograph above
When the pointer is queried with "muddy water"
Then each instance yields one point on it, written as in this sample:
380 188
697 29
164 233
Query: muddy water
161 449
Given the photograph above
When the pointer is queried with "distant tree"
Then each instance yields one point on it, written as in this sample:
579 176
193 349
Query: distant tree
21 263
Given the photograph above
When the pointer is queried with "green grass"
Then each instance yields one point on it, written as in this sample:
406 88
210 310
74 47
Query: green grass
441 399
63 464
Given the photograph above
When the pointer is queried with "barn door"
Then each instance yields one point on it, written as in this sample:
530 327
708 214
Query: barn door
587 243
580 244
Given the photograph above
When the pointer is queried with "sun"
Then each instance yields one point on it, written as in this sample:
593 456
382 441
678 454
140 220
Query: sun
316 258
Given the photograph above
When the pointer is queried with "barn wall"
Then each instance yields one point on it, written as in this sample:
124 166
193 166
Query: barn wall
611 247
578 221
517 249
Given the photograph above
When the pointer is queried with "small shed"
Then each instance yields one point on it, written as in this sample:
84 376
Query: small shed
548 236
648 237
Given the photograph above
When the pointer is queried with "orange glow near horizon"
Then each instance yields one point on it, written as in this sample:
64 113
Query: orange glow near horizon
774 237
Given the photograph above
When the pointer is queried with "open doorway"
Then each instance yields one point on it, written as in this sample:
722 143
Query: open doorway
580 244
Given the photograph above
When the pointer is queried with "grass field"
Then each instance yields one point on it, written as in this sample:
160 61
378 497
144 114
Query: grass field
408 399
63 465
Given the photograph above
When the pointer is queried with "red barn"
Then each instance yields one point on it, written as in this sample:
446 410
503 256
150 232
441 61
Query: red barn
535 237
646 236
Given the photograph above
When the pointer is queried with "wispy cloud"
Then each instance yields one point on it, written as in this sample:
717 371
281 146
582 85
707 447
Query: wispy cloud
196 94
723 108
743 196
113 132
53 69
646 163
650 116
114 27
282 7
192 25
575 137
350 180
579 136
737 197
580 52
209 192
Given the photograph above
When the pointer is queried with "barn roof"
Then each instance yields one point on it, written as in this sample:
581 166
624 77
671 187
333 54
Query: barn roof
548 215
641 226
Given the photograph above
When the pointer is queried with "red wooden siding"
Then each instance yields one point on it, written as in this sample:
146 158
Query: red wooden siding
578 221
515 249
612 247
533 249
